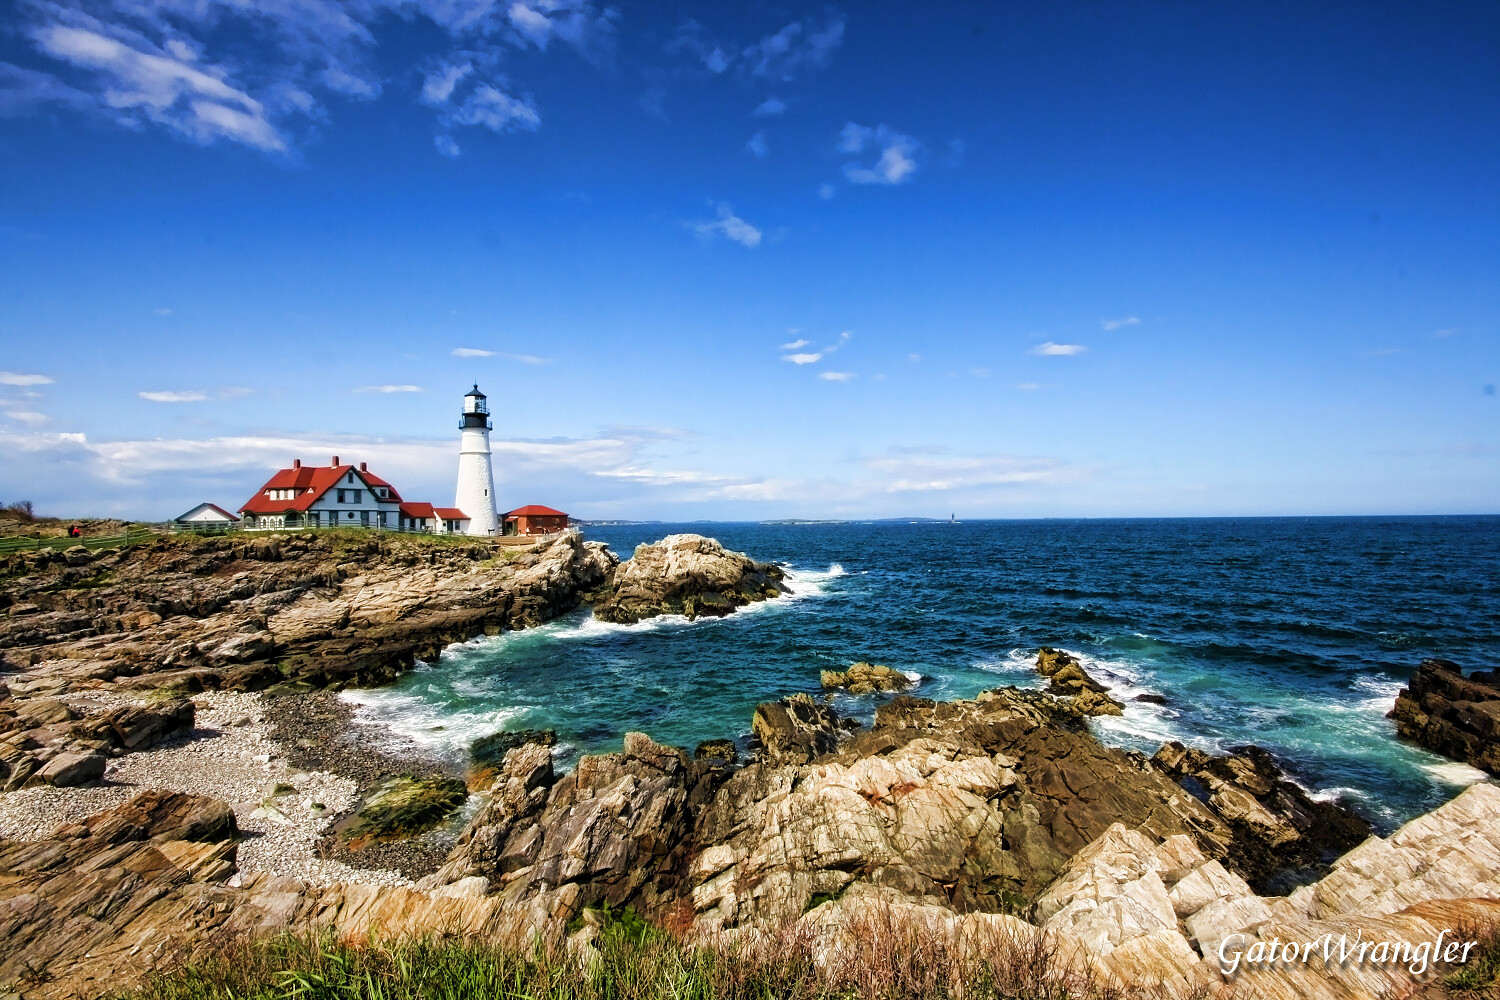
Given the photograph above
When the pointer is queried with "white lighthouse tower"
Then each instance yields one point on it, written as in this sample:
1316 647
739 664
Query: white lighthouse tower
476 482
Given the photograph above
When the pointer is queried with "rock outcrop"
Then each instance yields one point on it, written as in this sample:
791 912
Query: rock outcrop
44 741
797 729
296 611
1069 680
687 575
1280 831
866 678
920 818
1450 714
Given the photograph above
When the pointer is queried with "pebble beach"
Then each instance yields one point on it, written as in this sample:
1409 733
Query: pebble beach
282 810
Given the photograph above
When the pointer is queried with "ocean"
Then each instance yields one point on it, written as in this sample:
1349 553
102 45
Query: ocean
1290 633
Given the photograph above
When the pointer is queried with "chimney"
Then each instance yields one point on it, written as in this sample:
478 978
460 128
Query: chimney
296 463
362 467
335 461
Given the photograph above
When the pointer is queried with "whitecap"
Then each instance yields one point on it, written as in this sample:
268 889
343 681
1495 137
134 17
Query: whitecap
1455 773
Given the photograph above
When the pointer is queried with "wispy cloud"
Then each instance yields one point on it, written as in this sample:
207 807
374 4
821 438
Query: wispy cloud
896 162
803 359
24 378
1055 350
759 146
31 418
163 312
836 376
1445 332
935 470
1121 323
178 64
188 396
795 49
1027 386
527 359
826 191
234 392
388 388
794 345
727 225
472 352
769 107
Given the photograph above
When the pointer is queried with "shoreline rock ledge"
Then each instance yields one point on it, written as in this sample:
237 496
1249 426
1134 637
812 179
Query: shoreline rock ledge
687 575
1454 715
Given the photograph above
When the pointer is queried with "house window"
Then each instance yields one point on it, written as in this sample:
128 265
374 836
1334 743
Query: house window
341 496
358 495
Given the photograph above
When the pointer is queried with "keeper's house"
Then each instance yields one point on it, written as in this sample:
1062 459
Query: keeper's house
533 519
336 495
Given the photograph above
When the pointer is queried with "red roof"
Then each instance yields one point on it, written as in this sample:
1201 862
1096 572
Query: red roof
534 510
416 508
450 514
309 482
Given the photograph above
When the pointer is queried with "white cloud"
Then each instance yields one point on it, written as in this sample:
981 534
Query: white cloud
389 388
528 359
472 352
826 191
190 396
1027 386
803 359
170 86
446 146
1121 323
250 72
163 312
727 225
29 417
1050 349
758 146
914 358
769 107
23 378
795 344
935 470
897 160
497 111
836 376
799 47
438 86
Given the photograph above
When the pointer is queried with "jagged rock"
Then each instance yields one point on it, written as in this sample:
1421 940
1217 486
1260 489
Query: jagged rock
1280 831
140 728
1070 680
69 769
1454 715
301 610
686 575
797 729
866 678
488 753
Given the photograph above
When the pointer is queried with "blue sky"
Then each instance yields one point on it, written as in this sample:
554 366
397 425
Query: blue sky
753 260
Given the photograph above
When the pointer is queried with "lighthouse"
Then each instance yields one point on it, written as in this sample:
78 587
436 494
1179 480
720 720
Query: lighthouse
476 482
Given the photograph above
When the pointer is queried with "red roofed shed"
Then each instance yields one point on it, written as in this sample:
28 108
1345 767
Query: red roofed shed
534 519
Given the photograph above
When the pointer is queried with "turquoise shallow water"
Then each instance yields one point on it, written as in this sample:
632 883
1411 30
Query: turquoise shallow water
1291 633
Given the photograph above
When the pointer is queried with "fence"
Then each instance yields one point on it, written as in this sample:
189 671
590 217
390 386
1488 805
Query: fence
130 537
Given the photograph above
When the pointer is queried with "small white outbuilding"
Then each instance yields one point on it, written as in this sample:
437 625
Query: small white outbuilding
207 515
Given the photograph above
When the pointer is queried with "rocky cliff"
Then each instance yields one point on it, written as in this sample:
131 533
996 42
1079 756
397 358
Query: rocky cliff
1451 714
296 610
941 813
687 575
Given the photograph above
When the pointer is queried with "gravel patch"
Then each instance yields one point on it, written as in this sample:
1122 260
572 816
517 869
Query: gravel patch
282 810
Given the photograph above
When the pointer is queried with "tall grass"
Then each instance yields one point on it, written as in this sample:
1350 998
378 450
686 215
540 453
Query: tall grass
879 957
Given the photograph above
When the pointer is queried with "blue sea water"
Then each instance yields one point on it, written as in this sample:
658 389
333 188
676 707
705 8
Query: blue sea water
1291 633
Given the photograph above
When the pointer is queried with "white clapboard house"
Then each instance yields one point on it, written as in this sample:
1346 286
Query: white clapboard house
336 495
